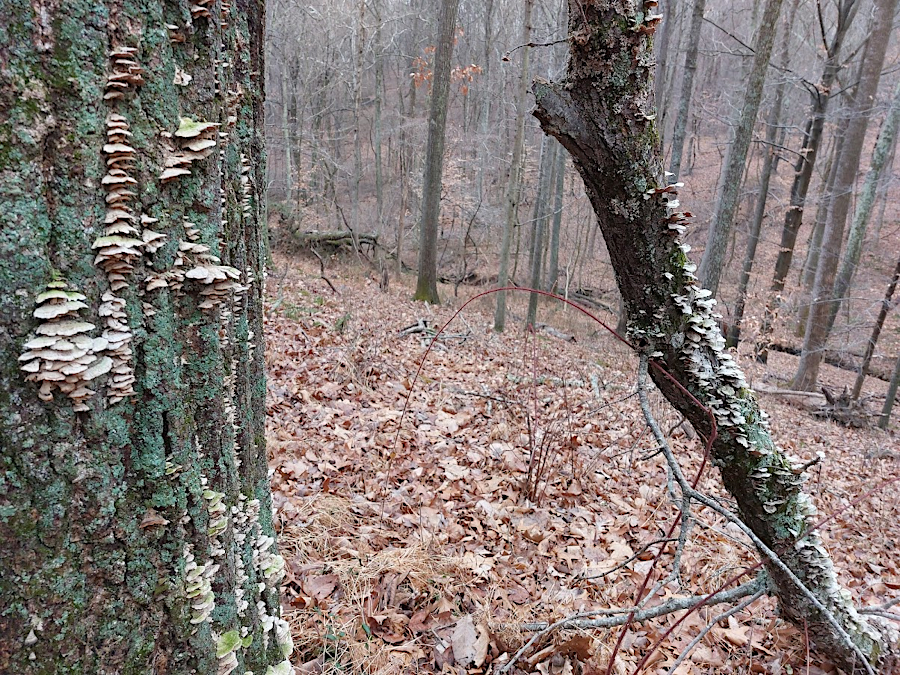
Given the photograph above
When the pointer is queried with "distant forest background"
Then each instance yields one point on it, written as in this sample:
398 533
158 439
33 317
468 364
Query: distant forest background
349 89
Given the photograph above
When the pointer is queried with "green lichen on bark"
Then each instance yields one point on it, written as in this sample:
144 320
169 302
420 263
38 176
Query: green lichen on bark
98 508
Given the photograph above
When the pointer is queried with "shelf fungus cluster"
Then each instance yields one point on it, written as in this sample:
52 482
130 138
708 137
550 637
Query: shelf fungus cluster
676 220
195 140
198 586
201 8
118 249
63 355
120 245
126 72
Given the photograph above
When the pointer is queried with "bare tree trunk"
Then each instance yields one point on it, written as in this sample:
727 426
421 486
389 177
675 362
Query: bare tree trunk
360 39
891 397
729 190
876 333
662 61
484 122
558 194
687 88
806 160
864 203
289 183
539 224
515 171
883 195
426 284
377 132
136 511
847 168
606 124
826 194
772 127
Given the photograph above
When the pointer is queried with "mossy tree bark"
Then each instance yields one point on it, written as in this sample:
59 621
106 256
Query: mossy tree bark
602 113
135 512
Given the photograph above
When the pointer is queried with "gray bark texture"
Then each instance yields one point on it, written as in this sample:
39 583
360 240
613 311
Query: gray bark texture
845 178
135 510
602 113
426 283
729 191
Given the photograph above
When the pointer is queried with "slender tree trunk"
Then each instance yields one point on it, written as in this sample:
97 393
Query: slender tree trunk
891 397
662 62
485 112
845 178
687 88
360 39
883 195
377 132
806 160
136 512
864 203
876 333
289 183
826 194
772 127
558 194
539 224
604 124
515 171
729 191
426 284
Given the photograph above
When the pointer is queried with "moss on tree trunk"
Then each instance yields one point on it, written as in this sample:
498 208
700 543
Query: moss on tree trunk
136 520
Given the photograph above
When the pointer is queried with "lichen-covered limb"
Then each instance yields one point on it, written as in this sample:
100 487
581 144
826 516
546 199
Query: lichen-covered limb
602 113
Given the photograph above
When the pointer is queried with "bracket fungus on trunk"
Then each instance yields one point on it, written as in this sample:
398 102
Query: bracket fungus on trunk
196 141
63 355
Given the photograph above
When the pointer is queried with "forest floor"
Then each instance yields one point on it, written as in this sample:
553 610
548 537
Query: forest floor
417 540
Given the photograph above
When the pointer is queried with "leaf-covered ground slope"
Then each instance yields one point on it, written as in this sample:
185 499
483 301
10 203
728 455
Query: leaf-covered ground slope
519 486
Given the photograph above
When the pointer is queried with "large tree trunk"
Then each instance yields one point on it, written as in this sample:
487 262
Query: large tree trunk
845 178
606 123
729 191
135 511
426 284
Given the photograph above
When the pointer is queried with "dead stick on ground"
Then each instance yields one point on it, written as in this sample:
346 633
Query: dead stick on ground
322 272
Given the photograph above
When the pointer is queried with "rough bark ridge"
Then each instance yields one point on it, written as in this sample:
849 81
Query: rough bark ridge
134 502
602 114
